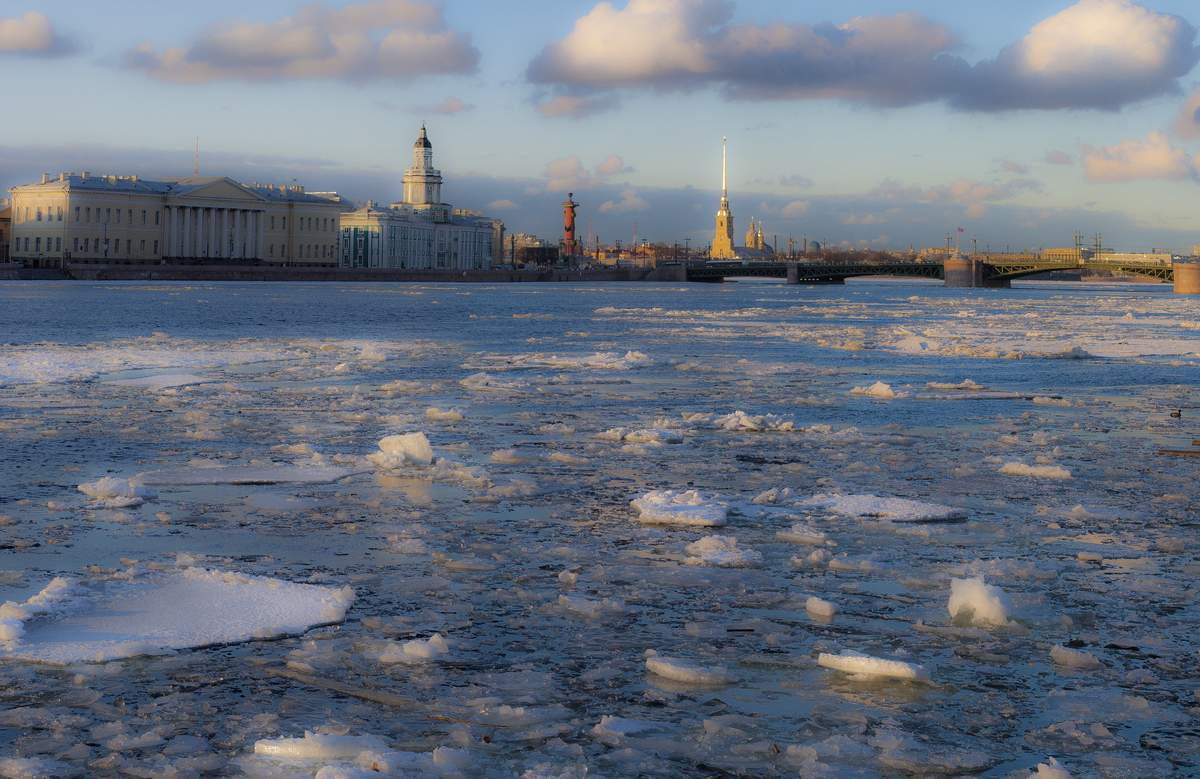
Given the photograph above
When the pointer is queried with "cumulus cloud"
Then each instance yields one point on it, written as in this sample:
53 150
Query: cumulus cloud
504 204
376 39
32 34
1100 54
1187 122
973 195
1150 158
569 174
630 202
795 209
1059 157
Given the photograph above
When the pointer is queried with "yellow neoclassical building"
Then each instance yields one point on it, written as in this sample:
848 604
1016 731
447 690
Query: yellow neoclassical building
81 218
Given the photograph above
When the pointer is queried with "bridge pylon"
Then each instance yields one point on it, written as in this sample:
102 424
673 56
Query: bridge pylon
967 272
1187 278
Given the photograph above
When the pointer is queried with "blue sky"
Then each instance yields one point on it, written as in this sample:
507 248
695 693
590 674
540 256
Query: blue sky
836 133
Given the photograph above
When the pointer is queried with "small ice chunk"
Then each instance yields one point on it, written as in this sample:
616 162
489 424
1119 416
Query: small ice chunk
819 607
680 507
803 534
1035 471
415 651
878 390
865 667
617 728
1074 659
507 457
434 414
589 608
1051 769
687 672
115 493
399 451
318 746
740 420
722 552
977 602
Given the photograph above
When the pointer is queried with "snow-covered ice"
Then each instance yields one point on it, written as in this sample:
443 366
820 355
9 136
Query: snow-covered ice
976 601
893 509
721 551
687 672
115 493
400 451
866 667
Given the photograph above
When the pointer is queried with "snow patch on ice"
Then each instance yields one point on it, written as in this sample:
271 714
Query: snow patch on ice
741 421
401 451
893 509
687 672
415 651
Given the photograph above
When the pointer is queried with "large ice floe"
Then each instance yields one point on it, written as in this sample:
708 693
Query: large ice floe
111 492
685 671
722 552
93 621
272 473
680 507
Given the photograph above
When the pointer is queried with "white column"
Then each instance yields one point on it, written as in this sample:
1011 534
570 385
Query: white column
260 233
222 237
237 234
165 238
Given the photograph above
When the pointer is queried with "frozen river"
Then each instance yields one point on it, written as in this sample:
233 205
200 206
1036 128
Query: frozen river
602 531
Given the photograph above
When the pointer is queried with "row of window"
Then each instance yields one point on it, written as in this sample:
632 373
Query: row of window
54 244
306 251
84 215
308 223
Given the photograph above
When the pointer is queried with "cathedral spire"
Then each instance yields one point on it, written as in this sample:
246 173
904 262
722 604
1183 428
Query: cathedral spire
724 169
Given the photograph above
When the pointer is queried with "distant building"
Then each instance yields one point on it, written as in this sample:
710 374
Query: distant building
722 244
5 229
723 248
422 232
1066 254
81 218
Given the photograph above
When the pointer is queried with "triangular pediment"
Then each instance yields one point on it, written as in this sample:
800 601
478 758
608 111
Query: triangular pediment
208 189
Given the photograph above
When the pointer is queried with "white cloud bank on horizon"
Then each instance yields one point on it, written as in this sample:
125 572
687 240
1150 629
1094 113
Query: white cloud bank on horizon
377 39
1095 54
1140 159
32 34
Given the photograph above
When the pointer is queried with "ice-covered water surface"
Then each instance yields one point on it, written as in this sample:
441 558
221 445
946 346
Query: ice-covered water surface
560 530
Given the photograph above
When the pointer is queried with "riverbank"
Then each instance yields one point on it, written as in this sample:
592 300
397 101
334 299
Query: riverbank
267 273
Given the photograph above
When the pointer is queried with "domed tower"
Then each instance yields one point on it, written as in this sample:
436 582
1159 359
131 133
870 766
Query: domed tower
422 182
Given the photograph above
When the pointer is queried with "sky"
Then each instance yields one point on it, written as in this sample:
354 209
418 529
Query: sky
869 123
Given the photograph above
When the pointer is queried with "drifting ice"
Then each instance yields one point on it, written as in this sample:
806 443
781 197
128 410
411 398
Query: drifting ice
186 609
978 601
865 667
113 493
674 507
894 509
398 451
686 672
721 551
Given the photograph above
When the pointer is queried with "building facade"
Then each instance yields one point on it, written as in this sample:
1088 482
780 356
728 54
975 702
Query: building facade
422 232
80 218
5 230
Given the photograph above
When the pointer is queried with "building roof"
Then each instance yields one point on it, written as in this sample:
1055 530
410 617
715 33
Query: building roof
87 181
172 186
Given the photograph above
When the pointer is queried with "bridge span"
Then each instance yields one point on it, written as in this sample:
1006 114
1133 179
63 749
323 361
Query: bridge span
962 272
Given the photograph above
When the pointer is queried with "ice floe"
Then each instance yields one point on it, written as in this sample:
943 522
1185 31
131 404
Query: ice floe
159 613
1075 659
114 493
680 507
891 509
401 451
330 756
977 602
687 672
740 420
1056 472
819 607
879 391
722 552
867 667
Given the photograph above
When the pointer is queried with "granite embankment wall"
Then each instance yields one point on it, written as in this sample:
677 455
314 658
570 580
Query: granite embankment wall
263 273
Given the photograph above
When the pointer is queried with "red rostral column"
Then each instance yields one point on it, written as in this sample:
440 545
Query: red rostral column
569 206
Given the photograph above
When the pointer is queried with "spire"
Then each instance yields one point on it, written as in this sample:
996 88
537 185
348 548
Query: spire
724 169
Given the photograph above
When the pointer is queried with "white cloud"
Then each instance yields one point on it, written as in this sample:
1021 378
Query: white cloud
1094 54
795 209
1151 158
1187 122
375 39
31 34
569 174
630 202
973 195
502 205
1059 157
575 106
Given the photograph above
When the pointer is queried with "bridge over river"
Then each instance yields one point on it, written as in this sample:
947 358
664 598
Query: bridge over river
955 272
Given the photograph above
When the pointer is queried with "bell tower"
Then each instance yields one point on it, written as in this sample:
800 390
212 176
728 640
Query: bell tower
722 245
422 181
